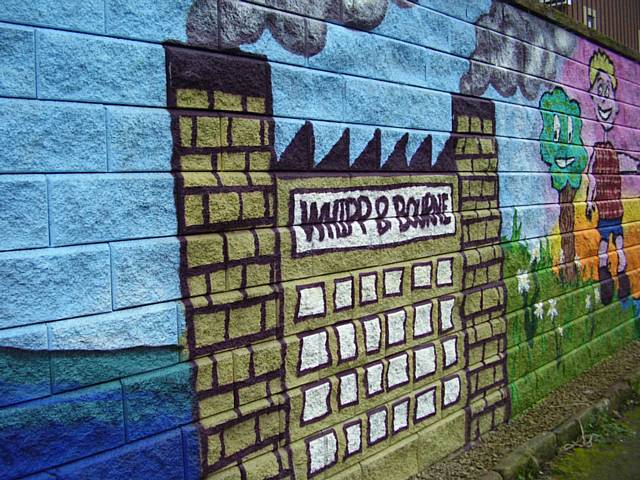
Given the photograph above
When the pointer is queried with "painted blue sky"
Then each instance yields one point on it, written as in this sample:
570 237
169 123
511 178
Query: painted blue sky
398 80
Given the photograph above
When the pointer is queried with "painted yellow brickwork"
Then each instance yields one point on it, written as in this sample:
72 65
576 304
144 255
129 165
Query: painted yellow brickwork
484 305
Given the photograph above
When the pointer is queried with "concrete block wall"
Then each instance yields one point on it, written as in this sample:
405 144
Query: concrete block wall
267 239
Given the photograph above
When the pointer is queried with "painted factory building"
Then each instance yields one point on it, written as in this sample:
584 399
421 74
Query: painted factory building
359 353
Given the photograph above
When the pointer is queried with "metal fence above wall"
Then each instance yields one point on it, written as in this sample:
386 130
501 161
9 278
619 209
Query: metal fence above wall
617 19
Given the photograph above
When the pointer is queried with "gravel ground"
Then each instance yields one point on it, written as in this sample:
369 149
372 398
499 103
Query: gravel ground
572 397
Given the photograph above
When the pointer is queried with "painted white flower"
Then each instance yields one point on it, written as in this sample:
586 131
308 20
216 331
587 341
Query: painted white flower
561 331
523 281
587 302
535 252
596 295
552 312
539 311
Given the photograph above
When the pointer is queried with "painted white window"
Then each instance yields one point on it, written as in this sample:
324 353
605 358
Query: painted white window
372 333
354 438
344 294
425 404
451 391
311 301
348 389
400 416
374 378
368 291
347 341
313 352
422 276
444 274
377 426
425 361
450 348
396 322
398 370
323 452
316 401
393 282
422 324
446 314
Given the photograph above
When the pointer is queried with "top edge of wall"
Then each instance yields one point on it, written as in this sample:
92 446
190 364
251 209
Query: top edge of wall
552 15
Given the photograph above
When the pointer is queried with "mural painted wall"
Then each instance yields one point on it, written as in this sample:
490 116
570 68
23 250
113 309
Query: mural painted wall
268 239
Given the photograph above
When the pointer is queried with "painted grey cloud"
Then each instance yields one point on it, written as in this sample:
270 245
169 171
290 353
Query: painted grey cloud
231 23
498 56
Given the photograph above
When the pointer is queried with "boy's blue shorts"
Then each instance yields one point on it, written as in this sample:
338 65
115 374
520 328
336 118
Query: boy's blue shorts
610 227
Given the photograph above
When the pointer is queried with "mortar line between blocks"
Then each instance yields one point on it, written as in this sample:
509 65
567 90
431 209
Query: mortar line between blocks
35 61
107 145
112 279
49 224
124 412
104 13
178 332
218 33
50 356
183 447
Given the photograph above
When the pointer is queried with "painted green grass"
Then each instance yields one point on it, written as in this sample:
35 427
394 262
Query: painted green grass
556 330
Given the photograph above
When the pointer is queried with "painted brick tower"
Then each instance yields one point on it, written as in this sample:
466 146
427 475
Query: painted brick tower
474 148
223 146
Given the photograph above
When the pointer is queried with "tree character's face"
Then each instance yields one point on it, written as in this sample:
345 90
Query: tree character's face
561 144
603 96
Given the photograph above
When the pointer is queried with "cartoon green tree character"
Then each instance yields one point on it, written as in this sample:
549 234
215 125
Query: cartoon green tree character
562 149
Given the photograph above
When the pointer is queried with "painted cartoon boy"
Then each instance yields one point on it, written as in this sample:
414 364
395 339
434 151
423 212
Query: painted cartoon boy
605 185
